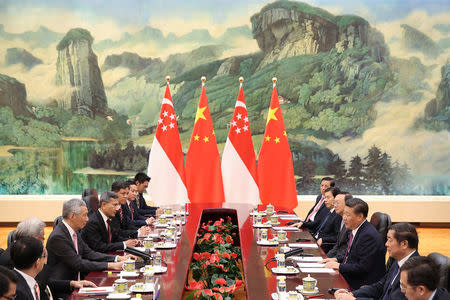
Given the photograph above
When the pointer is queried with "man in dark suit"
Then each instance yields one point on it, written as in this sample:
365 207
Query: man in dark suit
342 238
327 232
363 262
319 211
102 232
127 228
8 283
68 255
142 180
131 208
419 279
402 242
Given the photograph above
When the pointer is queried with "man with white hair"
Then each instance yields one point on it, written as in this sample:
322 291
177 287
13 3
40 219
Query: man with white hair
69 257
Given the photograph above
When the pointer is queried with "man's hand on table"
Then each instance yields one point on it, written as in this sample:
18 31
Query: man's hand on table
82 283
144 230
319 242
150 221
323 261
132 243
125 257
115 265
298 225
343 295
332 264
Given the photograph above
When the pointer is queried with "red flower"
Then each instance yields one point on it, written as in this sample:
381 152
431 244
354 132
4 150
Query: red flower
218 296
196 256
238 283
229 219
220 266
205 255
229 239
194 285
233 255
221 281
207 236
214 258
208 292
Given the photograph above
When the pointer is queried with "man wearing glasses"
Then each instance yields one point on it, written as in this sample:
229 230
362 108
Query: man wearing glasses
8 282
419 278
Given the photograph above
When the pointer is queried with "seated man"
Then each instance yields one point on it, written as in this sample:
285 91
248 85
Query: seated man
326 234
318 212
34 228
68 255
402 242
419 278
342 238
127 228
8 283
363 262
131 209
102 232
142 180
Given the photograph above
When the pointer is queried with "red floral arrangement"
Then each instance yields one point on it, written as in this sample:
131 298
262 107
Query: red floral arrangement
215 262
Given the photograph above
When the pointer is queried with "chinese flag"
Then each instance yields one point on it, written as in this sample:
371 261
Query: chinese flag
203 174
166 162
275 169
238 158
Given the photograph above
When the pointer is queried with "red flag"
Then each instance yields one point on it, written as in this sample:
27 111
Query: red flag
275 169
166 162
238 158
203 174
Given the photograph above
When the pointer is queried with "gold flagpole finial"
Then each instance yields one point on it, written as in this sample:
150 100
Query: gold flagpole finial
203 79
167 78
241 79
274 80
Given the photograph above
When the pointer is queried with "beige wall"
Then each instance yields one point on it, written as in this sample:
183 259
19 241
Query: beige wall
424 209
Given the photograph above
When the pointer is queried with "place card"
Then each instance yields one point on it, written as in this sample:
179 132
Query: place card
303 245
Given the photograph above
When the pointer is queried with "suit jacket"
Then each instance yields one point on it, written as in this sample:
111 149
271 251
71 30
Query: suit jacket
143 208
137 219
365 260
127 229
312 226
329 231
95 234
23 291
65 262
441 294
5 259
341 243
377 290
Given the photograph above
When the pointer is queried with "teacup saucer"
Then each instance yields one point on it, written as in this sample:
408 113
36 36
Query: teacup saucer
300 289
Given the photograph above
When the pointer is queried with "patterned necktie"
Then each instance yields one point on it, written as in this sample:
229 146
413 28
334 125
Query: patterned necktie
313 213
121 214
75 243
394 273
109 230
131 210
37 292
350 240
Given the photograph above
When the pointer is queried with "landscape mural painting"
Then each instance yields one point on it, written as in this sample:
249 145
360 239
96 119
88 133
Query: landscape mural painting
364 87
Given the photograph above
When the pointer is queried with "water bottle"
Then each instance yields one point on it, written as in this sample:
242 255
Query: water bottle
157 259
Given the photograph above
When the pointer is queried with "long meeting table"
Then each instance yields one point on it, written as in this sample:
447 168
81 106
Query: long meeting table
260 282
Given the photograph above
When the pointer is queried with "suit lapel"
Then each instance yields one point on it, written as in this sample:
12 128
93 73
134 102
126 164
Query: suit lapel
67 233
102 225
23 283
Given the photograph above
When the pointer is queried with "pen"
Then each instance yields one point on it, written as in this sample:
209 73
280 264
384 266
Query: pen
316 296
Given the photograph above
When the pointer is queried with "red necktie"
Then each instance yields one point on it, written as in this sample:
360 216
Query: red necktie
109 230
121 214
37 293
131 211
315 209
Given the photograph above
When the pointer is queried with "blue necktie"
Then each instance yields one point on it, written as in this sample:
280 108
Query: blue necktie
321 225
391 278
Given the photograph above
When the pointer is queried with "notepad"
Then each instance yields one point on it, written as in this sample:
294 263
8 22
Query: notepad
310 265
306 258
317 270
303 245
101 290
285 228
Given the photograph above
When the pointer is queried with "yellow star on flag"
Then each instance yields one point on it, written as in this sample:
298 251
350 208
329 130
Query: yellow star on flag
206 139
200 114
277 140
267 138
213 132
284 133
271 115
196 137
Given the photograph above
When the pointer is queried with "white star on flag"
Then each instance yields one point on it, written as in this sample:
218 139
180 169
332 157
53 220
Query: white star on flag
171 125
160 121
165 113
164 128
245 128
172 116
246 119
239 116
233 123
238 130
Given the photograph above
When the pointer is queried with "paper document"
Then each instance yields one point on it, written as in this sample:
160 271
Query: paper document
288 217
310 265
285 228
101 290
303 245
317 270
306 258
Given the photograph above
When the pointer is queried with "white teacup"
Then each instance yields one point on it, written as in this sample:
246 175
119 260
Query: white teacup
309 284
129 265
120 285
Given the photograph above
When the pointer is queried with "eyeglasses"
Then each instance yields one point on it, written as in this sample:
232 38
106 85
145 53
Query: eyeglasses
44 255
404 287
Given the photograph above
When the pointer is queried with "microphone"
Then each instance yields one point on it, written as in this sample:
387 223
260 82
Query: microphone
293 252
144 255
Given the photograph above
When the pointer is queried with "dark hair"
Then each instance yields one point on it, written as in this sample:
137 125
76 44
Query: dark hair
359 206
25 252
141 177
422 271
334 191
405 232
118 185
348 196
331 180
89 192
6 276
130 182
